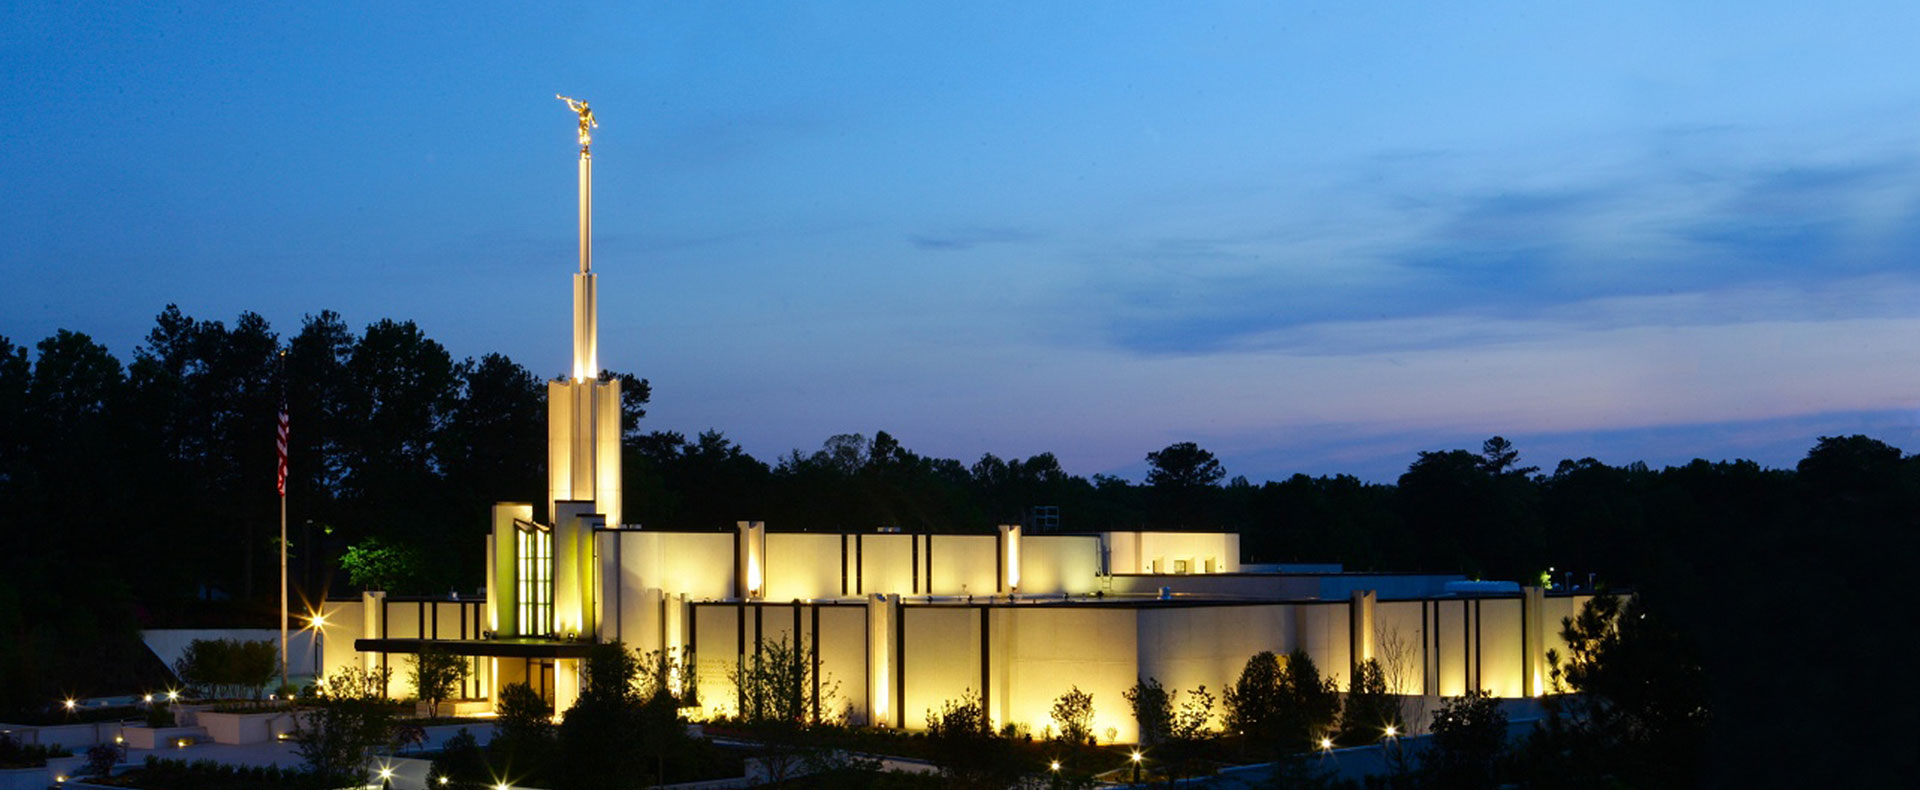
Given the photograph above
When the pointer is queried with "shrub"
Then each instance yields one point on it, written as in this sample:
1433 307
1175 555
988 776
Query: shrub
1073 714
224 668
1370 710
101 759
1152 709
1469 733
436 675
961 743
351 717
1283 708
776 683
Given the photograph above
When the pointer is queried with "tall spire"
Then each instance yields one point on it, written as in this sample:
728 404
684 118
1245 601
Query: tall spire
586 320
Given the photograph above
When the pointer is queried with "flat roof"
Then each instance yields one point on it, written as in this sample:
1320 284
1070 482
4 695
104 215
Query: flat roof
519 647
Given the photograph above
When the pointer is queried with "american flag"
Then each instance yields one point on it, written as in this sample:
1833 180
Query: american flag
281 441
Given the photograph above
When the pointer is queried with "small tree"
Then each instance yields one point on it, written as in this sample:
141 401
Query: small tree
436 675
601 736
228 668
1469 733
524 715
1283 708
776 686
1188 727
1073 715
375 564
962 744
1152 709
1255 699
351 717
1369 709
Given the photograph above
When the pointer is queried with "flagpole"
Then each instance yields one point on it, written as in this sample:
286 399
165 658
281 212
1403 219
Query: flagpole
283 589
281 435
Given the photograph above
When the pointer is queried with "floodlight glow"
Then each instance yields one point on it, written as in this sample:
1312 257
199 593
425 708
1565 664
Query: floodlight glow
69 703
386 773
147 699
1392 731
172 695
316 620
1134 757
1326 744
1053 766
443 780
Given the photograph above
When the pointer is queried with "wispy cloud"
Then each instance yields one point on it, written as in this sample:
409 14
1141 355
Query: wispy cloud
969 238
1529 253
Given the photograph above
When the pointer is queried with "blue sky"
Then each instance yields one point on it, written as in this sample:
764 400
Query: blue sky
1313 237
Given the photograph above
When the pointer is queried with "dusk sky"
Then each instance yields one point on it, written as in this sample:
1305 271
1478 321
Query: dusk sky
1312 237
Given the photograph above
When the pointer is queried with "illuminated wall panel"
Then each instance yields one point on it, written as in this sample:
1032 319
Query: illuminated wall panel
1498 629
964 564
717 629
886 563
802 565
942 659
1323 632
1188 646
1398 636
1059 563
1056 648
1451 656
843 656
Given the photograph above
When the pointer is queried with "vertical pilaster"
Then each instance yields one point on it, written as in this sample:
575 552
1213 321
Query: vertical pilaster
1360 625
1533 640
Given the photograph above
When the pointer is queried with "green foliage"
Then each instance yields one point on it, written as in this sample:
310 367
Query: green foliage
14 754
436 675
1281 708
1369 709
961 743
461 763
1636 711
376 564
225 668
1152 709
662 671
349 718
1073 715
101 759
1469 735
524 731
775 684
159 774
159 715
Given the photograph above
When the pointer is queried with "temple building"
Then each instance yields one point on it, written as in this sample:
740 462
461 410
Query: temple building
894 623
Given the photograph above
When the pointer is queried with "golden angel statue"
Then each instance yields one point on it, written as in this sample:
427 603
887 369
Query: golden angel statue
585 112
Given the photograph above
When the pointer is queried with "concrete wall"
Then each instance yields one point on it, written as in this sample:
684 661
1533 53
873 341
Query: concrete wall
801 565
964 564
1059 563
1160 552
169 644
886 563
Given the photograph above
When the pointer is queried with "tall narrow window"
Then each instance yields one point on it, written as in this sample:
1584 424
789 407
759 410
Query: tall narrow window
535 552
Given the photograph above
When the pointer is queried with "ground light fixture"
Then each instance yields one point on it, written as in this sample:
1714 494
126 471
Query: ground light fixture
386 773
1054 766
1326 744
1392 731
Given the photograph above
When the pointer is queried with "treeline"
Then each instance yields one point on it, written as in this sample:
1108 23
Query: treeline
141 493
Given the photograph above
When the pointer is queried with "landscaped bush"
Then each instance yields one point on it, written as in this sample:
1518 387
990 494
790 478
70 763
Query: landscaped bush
158 774
228 668
14 754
